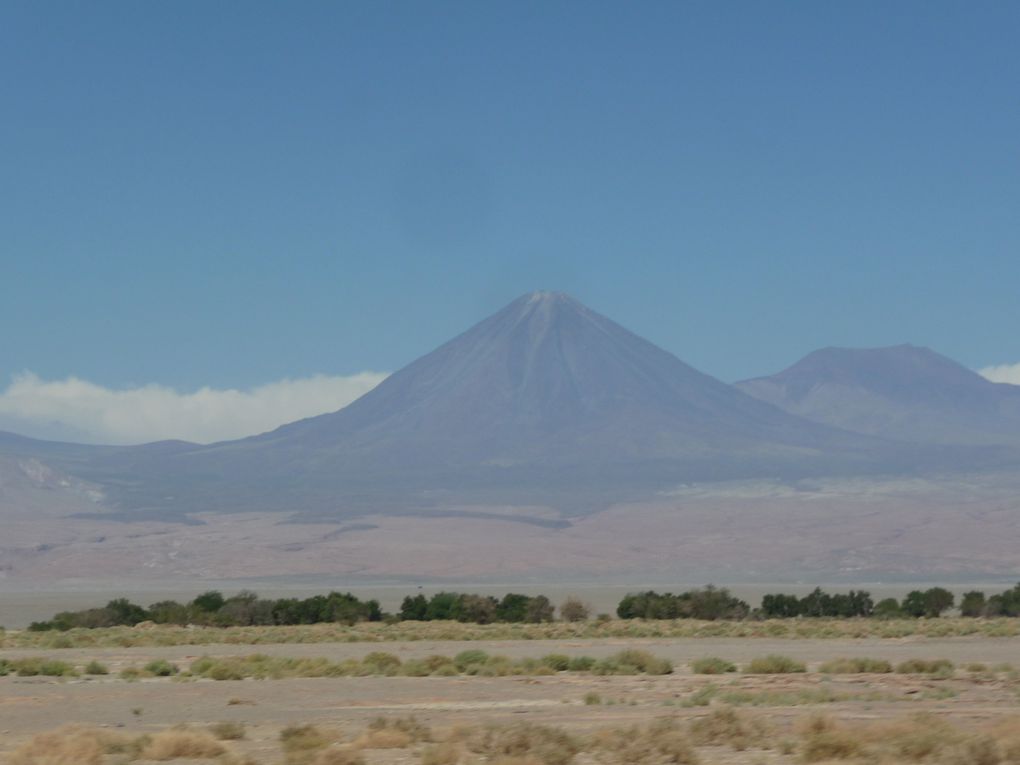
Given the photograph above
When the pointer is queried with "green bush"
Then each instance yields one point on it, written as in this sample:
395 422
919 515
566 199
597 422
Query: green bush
712 665
33 666
774 664
941 667
161 668
96 668
557 662
855 665
581 664
382 663
632 662
470 658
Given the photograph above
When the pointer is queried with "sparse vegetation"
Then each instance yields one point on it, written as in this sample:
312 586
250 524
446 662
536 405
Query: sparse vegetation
774 664
227 731
712 665
377 632
96 668
939 667
854 666
182 743
471 662
915 739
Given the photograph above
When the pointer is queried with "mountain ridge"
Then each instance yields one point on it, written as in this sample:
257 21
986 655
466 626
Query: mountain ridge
904 391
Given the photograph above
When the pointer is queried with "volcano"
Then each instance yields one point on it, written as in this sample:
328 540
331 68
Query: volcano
545 403
902 392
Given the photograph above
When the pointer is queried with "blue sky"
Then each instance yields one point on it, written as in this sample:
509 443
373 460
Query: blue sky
229 194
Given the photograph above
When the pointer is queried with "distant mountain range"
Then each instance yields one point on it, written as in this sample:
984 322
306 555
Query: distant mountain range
548 404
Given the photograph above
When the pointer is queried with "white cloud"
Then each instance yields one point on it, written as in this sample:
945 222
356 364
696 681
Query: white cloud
78 410
1003 373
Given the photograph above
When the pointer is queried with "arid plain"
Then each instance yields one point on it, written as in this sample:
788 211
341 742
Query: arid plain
929 691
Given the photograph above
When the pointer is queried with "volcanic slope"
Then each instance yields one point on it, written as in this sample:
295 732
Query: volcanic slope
545 403
902 392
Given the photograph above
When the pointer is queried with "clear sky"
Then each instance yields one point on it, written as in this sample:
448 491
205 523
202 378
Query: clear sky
229 194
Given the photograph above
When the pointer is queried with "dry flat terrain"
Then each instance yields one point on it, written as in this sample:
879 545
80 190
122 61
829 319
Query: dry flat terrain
972 701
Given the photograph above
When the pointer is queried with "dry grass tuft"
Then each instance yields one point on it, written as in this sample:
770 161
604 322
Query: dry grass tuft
660 743
227 731
726 725
822 739
301 743
774 664
712 665
384 738
855 666
938 667
551 746
70 745
408 727
447 753
181 743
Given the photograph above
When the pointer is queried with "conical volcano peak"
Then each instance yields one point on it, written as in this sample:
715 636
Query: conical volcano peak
544 380
546 302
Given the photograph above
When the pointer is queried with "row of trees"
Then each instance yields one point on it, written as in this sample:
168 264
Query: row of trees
930 603
974 603
248 609
709 603
479 609
706 603
212 608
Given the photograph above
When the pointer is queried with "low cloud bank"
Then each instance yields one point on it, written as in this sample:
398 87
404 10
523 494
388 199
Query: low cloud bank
78 410
1003 373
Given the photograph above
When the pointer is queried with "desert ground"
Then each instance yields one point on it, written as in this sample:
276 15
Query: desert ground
776 718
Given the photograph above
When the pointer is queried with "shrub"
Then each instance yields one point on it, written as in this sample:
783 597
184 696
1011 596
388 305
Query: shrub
592 699
712 665
382 663
96 668
633 662
550 746
227 731
581 664
182 744
470 658
663 741
556 661
161 668
823 740
855 665
573 610
447 753
727 726
941 667
774 664
69 745
383 738
302 742
408 726
33 666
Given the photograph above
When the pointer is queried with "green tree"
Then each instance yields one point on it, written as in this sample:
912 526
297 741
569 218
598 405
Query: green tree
973 604
414 609
887 608
210 602
937 600
539 609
